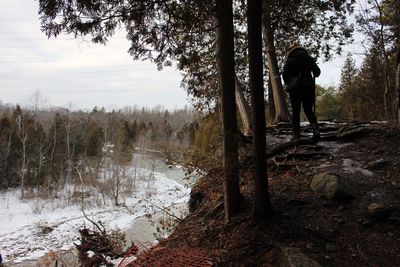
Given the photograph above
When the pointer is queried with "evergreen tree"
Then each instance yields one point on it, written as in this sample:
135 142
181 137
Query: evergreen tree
8 155
347 88
209 133
123 143
379 21
37 150
362 95
328 103
57 152
167 130
371 82
93 140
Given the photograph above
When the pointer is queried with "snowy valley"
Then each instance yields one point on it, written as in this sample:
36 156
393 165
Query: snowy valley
33 227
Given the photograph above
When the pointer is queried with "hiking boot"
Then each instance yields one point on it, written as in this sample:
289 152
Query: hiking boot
316 135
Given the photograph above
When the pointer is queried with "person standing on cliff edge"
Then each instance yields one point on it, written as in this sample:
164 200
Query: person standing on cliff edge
299 75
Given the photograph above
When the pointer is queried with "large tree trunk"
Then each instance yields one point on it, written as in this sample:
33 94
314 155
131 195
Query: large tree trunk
271 104
263 207
243 108
281 109
226 67
398 88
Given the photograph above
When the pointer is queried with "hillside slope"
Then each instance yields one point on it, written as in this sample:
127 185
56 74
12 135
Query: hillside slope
308 227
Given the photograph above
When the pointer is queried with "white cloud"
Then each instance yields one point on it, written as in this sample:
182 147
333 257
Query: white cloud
67 70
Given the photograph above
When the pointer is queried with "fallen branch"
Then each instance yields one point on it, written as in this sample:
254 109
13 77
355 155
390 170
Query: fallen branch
162 209
283 146
83 210
215 210
345 133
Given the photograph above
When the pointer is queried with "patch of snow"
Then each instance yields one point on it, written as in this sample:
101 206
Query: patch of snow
379 122
334 147
323 165
90 253
351 166
304 123
22 222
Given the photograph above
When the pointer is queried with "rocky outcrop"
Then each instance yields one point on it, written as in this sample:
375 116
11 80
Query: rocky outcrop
378 211
293 257
378 164
331 186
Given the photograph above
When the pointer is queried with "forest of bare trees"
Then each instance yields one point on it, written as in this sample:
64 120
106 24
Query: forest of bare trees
44 149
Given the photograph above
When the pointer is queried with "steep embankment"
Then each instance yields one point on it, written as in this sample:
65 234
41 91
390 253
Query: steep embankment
358 228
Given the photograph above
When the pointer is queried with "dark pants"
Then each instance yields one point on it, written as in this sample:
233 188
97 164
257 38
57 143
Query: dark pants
305 96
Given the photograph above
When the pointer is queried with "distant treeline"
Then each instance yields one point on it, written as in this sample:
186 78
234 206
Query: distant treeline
41 149
364 93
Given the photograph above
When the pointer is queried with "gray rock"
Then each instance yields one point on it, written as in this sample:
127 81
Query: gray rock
378 164
331 247
293 257
331 186
351 166
378 211
68 258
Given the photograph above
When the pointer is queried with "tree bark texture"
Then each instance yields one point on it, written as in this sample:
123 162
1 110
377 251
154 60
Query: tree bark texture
271 104
263 208
281 110
398 89
226 67
243 108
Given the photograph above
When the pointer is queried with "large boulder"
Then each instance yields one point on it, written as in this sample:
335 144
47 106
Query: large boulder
378 164
331 186
293 257
379 211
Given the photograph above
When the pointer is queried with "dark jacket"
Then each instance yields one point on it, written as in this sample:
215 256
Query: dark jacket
299 62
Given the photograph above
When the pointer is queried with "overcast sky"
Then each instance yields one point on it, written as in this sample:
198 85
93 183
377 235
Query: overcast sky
67 71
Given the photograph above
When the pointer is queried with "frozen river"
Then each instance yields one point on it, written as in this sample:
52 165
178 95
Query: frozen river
32 228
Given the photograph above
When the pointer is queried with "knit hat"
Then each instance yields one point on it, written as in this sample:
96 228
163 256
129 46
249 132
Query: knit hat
293 47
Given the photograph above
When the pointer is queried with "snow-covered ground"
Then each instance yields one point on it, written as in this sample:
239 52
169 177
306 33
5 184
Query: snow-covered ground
31 228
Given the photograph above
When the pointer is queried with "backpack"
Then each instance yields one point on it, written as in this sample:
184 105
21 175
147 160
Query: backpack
301 80
293 83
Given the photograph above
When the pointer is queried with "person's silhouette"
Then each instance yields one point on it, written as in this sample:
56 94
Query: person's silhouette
300 68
